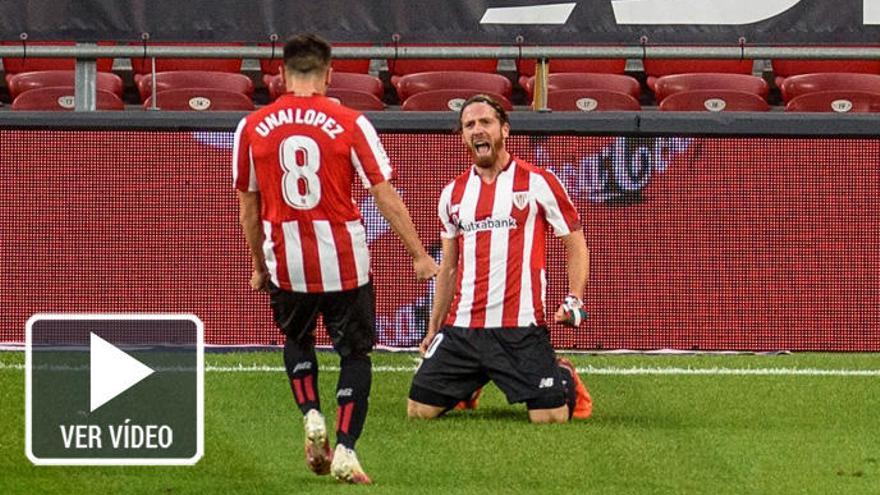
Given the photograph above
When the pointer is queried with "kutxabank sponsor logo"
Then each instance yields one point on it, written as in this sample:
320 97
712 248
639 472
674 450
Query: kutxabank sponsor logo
487 224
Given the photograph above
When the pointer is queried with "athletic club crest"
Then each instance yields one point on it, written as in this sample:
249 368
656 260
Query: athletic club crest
453 215
521 199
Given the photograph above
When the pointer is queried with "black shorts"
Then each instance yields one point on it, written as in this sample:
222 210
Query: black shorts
520 361
350 317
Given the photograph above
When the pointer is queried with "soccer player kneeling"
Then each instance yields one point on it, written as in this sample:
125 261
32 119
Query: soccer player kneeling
487 322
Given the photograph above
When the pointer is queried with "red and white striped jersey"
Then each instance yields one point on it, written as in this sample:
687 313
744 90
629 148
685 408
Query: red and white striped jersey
500 229
301 154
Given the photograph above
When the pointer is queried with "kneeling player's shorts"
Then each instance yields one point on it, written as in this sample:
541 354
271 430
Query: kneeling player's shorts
520 361
350 317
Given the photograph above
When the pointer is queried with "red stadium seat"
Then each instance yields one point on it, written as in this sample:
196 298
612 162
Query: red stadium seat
199 99
26 81
726 100
339 80
783 68
656 68
420 82
360 82
402 66
676 83
526 67
840 101
275 85
794 86
578 80
359 100
12 66
271 66
447 99
141 65
590 100
60 98
179 79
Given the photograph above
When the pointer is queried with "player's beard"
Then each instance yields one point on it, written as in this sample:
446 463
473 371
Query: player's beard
487 158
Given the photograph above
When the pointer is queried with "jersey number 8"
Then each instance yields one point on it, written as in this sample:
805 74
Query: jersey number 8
300 158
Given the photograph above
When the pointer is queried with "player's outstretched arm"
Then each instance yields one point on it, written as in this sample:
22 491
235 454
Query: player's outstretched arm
443 291
392 208
578 273
251 225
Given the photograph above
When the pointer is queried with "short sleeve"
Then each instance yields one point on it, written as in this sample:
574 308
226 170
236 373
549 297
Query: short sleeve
557 206
448 226
368 156
244 177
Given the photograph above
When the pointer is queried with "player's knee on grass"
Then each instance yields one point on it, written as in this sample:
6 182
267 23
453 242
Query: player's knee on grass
551 408
417 410
544 416
427 404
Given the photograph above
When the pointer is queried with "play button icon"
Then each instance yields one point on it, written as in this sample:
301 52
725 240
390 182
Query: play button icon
114 389
112 371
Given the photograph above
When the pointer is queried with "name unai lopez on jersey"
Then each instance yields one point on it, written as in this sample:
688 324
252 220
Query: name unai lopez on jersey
302 117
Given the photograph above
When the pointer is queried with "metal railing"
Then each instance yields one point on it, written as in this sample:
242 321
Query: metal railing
86 54
86 51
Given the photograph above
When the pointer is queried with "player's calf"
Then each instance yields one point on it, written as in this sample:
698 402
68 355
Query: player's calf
580 403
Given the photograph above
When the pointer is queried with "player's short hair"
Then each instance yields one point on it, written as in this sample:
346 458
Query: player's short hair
500 112
306 54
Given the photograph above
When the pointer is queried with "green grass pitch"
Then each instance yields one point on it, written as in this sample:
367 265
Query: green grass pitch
707 433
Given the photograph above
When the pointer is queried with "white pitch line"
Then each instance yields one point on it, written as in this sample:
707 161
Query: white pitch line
588 370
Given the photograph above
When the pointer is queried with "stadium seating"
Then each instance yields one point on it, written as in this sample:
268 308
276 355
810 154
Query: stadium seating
25 81
359 100
142 66
783 68
656 68
340 80
402 66
271 66
360 82
590 100
420 82
447 99
722 100
526 68
835 101
676 83
580 80
794 86
179 79
275 85
61 98
199 99
12 66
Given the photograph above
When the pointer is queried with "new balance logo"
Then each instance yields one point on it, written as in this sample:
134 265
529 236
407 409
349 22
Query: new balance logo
344 392
304 366
546 383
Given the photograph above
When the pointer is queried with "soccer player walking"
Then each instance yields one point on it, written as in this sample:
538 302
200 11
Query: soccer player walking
294 162
488 318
